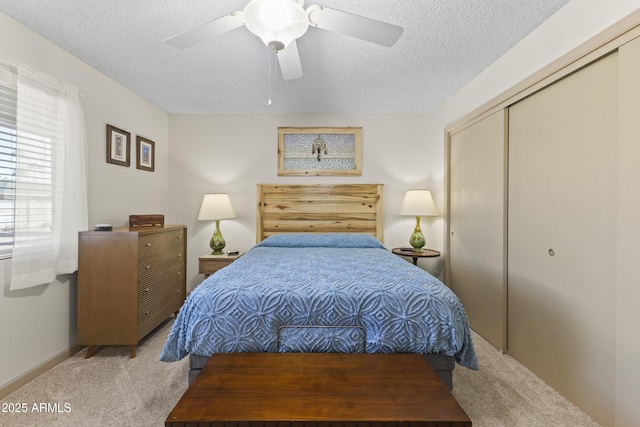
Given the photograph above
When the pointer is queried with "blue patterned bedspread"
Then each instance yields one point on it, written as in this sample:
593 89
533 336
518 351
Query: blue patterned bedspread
334 292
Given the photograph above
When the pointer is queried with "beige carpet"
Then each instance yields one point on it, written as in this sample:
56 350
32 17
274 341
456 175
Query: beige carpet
505 393
111 389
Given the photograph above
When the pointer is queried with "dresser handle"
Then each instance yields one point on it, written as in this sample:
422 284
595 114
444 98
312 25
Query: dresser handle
179 255
178 292
146 289
148 267
180 237
179 273
146 313
148 244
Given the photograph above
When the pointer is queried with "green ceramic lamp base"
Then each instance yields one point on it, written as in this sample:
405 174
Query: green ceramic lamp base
416 240
217 242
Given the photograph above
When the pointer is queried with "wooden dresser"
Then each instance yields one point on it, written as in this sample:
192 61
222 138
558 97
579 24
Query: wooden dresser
130 280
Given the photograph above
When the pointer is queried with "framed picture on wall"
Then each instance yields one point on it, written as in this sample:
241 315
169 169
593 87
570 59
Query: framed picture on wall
146 154
320 151
118 146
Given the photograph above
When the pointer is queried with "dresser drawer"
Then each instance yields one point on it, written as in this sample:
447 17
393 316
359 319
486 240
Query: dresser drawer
212 265
162 296
148 320
155 284
153 245
151 267
151 315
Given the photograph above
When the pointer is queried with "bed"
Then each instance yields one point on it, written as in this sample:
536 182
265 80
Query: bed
320 280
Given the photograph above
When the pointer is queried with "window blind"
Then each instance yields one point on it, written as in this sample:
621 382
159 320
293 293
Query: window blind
8 142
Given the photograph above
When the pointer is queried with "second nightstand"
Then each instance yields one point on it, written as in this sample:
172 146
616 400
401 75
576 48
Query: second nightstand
209 264
426 253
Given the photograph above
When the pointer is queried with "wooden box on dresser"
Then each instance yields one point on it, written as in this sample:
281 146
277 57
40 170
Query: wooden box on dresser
130 280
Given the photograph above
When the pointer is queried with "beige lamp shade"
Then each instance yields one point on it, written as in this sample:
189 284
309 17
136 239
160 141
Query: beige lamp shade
215 207
418 203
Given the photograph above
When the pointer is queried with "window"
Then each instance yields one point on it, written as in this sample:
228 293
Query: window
43 183
8 142
36 161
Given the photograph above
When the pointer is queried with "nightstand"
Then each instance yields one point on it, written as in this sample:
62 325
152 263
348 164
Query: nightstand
408 252
209 264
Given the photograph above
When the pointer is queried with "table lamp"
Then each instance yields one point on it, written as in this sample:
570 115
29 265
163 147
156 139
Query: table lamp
216 207
418 203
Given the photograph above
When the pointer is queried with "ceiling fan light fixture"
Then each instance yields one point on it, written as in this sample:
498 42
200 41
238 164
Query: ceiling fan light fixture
276 22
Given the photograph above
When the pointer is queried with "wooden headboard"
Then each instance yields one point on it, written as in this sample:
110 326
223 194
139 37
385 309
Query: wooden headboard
319 208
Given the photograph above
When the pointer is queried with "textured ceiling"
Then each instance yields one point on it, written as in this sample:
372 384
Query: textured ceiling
444 45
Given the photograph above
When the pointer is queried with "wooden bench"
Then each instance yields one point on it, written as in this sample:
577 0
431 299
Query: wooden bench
325 389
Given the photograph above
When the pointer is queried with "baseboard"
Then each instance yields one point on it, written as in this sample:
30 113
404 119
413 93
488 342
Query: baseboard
37 371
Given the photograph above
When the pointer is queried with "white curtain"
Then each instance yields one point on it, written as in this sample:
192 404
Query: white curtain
51 180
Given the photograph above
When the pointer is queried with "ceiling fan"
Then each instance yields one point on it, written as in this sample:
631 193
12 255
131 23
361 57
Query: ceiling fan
280 22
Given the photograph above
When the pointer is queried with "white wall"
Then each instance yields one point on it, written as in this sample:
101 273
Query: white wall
577 22
233 153
38 324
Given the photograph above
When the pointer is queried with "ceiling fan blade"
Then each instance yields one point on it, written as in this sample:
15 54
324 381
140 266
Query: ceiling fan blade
354 25
206 31
289 60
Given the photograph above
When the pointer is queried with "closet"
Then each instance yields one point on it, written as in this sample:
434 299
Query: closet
477 223
561 245
539 234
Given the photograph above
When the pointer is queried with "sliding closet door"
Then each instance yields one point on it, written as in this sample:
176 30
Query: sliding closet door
562 235
476 225
628 291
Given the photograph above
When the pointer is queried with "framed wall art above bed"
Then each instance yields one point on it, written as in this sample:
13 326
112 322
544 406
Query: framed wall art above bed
320 151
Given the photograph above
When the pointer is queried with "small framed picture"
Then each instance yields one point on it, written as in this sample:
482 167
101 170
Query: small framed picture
118 146
146 154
